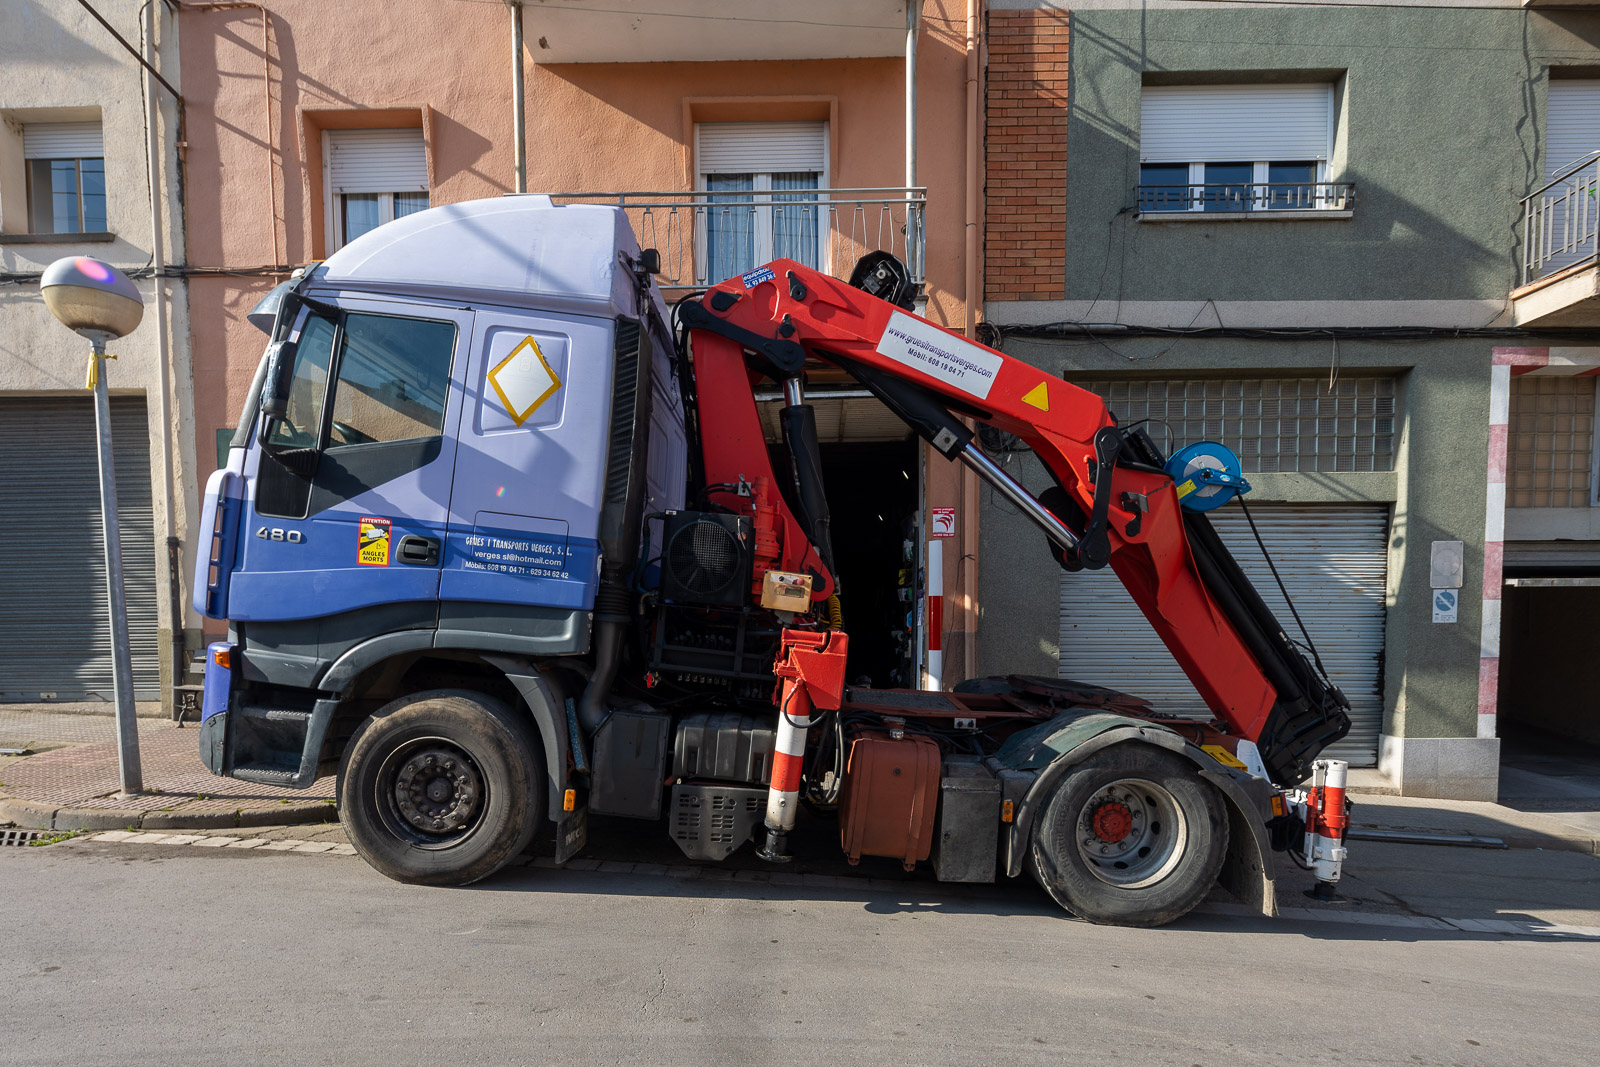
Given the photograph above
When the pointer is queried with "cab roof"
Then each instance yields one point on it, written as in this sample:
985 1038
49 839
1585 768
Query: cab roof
523 250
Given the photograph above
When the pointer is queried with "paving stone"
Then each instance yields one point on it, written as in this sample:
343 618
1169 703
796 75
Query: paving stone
113 835
281 846
343 850
312 846
183 839
248 842
215 842
145 839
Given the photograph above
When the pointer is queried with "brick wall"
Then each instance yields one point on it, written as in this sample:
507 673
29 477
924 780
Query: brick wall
1025 156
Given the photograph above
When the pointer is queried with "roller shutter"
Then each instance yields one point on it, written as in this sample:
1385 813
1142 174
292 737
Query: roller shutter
54 630
1235 123
377 161
62 140
1573 127
1332 558
745 147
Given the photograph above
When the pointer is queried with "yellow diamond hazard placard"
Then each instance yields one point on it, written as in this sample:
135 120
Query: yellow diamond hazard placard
524 380
372 543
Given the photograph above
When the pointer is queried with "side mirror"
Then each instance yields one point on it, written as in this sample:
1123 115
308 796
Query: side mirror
278 380
650 260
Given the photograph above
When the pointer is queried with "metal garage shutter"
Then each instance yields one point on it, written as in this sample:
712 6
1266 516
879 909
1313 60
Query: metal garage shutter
54 633
377 161
1235 123
1333 558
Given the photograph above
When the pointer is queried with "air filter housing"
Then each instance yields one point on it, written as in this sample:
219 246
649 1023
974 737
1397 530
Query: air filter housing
706 558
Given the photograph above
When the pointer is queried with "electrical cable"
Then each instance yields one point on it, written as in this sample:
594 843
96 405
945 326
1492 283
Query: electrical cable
1281 588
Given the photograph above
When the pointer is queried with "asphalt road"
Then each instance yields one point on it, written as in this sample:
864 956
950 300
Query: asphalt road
135 954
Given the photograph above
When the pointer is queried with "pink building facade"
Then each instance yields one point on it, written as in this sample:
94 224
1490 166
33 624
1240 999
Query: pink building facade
308 122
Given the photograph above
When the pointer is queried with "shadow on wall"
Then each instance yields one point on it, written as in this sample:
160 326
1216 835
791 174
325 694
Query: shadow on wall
459 144
26 25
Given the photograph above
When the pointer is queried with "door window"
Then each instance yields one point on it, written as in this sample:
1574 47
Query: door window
380 417
298 428
394 375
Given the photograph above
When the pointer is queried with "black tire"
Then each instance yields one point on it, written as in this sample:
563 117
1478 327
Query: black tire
1132 836
476 787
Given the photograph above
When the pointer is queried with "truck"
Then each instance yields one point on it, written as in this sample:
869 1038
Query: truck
501 542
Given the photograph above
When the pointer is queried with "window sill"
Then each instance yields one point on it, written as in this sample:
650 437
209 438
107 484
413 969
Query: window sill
56 238
1244 216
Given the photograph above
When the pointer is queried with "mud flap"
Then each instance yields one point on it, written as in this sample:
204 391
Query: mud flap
1245 872
572 833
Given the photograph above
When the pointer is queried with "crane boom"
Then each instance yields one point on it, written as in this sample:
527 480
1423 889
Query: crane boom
1112 503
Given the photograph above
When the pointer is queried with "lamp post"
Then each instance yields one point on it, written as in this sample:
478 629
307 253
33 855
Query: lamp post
99 303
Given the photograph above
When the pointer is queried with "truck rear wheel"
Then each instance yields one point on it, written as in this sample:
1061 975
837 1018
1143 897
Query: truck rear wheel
1130 837
441 788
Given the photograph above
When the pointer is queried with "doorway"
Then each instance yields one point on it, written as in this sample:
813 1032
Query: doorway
1549 722
872 495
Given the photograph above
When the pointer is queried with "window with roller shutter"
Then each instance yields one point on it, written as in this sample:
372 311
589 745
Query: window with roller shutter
1237 148
766 179
373 177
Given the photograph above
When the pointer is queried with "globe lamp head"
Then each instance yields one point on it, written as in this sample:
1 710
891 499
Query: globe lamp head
91 298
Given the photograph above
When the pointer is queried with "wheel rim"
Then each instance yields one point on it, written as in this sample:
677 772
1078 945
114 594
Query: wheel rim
1131 833
431 793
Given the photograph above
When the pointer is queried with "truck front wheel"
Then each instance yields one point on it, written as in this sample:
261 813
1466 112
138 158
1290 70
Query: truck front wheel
441 788
1130 837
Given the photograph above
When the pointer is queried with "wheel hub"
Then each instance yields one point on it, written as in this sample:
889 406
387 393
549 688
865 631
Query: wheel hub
1131 833
438 790
1112 821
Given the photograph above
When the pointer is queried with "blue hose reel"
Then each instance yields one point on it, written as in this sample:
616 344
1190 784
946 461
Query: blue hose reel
1208 475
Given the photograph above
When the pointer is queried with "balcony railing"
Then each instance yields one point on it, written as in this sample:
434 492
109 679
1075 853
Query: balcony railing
1559 220
706 236
1262 197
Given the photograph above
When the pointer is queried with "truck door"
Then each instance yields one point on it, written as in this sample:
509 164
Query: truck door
523 557
350 491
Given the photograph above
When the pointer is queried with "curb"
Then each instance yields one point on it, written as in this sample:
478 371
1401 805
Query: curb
34 815
1526 839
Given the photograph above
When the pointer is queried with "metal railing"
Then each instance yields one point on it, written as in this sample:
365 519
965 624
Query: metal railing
705 236
1559 220
1247 196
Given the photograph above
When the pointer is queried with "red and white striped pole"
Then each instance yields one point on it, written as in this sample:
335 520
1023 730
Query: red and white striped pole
788 756
933 669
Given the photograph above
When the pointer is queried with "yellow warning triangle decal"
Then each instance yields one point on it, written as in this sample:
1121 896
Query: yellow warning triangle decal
1038 396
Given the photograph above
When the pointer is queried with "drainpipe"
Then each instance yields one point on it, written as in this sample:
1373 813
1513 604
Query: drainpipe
519 121
164 418
967 566
913 15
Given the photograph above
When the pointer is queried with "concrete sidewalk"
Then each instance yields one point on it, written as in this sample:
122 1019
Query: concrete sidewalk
1568 831
1518 829
70 779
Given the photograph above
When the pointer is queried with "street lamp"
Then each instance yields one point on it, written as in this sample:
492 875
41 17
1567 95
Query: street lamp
98 302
